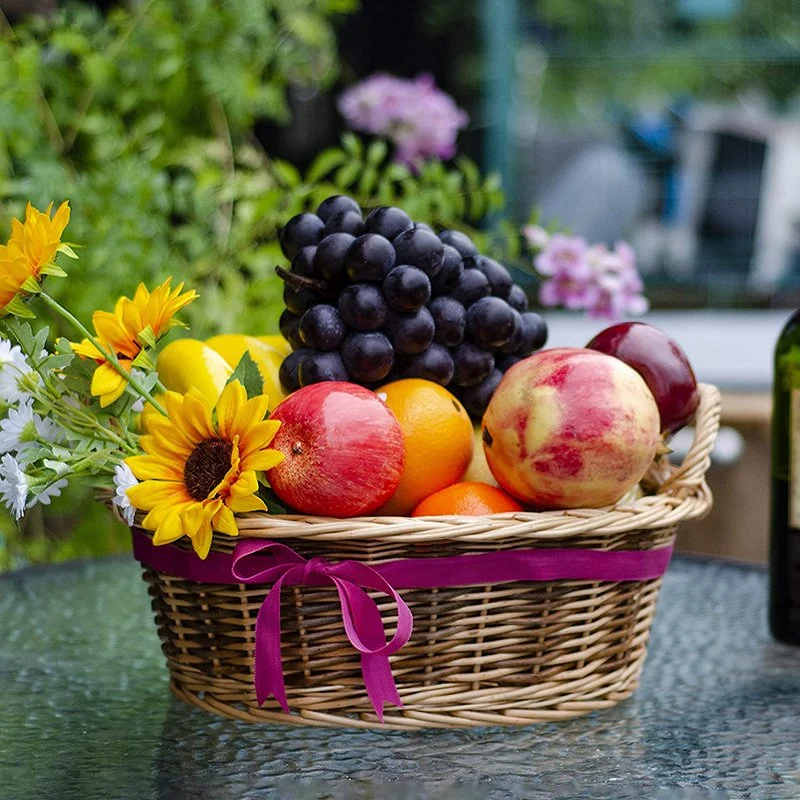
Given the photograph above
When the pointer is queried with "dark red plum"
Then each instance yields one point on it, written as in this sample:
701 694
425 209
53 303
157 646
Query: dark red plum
663 365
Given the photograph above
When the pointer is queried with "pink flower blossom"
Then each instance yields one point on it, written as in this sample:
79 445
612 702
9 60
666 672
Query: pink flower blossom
562 254
604 283
536 236
421 120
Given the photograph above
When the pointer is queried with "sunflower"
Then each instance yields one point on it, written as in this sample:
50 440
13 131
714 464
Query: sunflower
30 254
128 331
196 473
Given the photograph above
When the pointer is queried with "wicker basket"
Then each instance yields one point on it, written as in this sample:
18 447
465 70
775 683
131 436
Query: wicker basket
501 654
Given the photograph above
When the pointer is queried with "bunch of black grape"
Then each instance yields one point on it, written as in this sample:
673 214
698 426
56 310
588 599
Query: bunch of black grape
377 299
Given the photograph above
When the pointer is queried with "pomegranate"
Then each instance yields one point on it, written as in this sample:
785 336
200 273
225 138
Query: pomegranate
570 428
344 450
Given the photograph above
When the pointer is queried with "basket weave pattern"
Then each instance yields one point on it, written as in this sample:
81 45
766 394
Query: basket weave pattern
502 654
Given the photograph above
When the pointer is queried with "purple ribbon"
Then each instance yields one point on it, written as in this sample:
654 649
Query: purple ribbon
259 561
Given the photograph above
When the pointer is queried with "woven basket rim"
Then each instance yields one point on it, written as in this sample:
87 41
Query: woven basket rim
677 493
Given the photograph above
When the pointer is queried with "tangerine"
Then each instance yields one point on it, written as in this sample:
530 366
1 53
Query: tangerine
438 437
468 498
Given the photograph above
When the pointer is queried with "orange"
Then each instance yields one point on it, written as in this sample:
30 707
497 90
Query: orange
438 436
468 498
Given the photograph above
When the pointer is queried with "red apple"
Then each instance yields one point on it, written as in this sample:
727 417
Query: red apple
344 450
663 365
570 428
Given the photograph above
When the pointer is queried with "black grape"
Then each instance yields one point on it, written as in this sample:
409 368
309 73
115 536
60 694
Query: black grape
472 364
344 222
289 372
476 398
368 356
515 341
331 255
322 328
369 258
337 204
460 242
534 333
300 231
303 262
317 367
421 248
406 288
434 364
411 333
471 285
504 361
452 267
363 307
490 322
517 298
299 299
388 221
288 325
450 320
498 276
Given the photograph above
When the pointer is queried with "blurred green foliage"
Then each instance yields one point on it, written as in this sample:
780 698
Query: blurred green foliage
143 118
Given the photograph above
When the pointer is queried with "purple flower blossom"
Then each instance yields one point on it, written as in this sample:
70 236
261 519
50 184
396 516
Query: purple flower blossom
563 254
421 120
605 283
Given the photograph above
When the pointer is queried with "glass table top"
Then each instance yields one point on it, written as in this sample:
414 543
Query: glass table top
85 712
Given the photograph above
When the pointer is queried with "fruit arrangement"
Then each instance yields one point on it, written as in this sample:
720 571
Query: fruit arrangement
370 300
411 381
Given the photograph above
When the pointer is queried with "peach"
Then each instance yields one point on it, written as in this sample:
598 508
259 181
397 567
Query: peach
570 428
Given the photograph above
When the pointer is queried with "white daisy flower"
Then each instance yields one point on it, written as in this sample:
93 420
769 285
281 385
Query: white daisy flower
13 366
123 480
48 493
13 485
21 429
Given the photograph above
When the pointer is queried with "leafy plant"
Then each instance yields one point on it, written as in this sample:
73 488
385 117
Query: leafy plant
144 119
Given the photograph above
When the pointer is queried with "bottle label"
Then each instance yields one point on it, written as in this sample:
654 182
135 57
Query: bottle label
794 464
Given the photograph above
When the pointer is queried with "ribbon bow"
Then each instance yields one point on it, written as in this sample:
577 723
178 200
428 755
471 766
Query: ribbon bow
360 614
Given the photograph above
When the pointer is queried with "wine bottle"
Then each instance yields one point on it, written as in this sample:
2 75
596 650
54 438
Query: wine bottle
784 555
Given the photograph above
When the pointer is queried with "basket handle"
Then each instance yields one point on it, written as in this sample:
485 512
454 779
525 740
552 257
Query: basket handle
690 475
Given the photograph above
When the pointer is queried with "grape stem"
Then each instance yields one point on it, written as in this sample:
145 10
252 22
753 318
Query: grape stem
301 281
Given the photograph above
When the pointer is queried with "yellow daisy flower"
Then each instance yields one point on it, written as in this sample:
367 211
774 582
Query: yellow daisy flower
39 239
155 309
196 473
29 255
133 326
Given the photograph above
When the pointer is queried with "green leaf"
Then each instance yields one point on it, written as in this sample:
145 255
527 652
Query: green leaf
325 163
367 181
271 501
353 145
143 361
346 175
377 152
147 337
247 374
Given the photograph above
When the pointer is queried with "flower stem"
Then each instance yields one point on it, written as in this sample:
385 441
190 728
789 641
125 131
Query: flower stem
110 357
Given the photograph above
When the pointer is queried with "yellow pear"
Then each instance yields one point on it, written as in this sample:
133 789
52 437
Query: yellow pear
268 359
278 342
187 363
478 469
